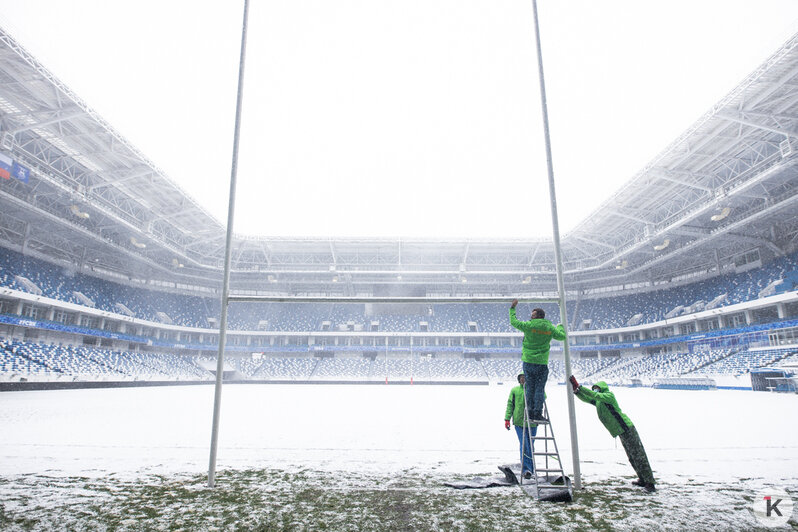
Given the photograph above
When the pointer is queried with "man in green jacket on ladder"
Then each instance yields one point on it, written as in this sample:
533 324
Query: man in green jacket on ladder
515 411
538 334
618 424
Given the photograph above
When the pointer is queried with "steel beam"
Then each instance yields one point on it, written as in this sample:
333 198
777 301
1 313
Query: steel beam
385 300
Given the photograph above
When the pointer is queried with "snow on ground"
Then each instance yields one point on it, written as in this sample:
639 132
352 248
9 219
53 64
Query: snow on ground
710 451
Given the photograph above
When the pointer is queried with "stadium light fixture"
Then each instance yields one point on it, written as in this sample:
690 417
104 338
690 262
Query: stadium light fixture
77 212
785 147
662 246
721 215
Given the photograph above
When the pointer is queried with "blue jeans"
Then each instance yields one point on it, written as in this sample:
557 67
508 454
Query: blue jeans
535 375
526 449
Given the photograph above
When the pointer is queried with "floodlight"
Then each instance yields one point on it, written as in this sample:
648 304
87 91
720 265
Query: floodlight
721 215
77 212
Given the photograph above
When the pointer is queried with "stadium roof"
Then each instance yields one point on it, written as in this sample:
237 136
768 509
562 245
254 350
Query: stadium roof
726 186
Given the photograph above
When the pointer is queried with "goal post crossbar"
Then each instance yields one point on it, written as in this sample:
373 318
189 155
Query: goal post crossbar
385 300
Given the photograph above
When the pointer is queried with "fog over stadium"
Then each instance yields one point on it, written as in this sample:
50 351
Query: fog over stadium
386 119
402 343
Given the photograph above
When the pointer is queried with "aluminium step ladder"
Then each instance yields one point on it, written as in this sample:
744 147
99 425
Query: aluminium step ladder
548 482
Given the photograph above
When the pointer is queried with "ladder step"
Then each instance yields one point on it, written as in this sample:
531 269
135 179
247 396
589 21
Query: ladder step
551 487
542 438
538 470
546 454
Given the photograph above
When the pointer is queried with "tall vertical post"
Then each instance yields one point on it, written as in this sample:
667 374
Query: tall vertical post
217 399
557 253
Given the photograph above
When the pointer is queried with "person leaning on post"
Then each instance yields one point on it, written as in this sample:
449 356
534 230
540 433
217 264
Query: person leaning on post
619 424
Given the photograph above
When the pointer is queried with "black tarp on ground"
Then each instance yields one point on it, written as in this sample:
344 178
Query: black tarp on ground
554 489
508 479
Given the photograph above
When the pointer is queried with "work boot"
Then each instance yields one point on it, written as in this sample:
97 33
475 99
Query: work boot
638 482
649 487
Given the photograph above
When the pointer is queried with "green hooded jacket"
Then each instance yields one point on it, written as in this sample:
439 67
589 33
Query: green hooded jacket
609 412
537 338
515 406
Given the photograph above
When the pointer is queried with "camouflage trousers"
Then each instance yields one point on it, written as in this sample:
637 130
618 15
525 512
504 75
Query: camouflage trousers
637 455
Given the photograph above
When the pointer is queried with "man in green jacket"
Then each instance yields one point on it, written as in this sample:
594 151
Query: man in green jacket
515 411
538 333
619 424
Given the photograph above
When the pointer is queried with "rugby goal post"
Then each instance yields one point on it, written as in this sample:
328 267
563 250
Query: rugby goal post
226 298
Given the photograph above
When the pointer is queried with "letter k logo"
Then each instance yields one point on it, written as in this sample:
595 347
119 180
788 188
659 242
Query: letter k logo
772 506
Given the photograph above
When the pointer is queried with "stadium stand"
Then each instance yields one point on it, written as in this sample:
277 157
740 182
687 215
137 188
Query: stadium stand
35 361
32 275
615 312
49 362
288 369
345 368
502 369
743 362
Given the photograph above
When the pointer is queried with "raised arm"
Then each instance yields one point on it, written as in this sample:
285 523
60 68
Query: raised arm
515 322
586 394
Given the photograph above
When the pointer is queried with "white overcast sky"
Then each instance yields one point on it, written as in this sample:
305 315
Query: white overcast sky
414 118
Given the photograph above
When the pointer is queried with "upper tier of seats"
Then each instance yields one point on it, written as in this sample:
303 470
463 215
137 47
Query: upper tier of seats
33 275
607 313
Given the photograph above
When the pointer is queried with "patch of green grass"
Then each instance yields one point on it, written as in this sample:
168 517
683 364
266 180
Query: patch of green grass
277 500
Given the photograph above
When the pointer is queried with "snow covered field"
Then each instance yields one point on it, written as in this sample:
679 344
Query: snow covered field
63 451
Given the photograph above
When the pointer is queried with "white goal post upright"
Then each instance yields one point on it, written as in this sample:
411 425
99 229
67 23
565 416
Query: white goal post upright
217 399
555 227
226 298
